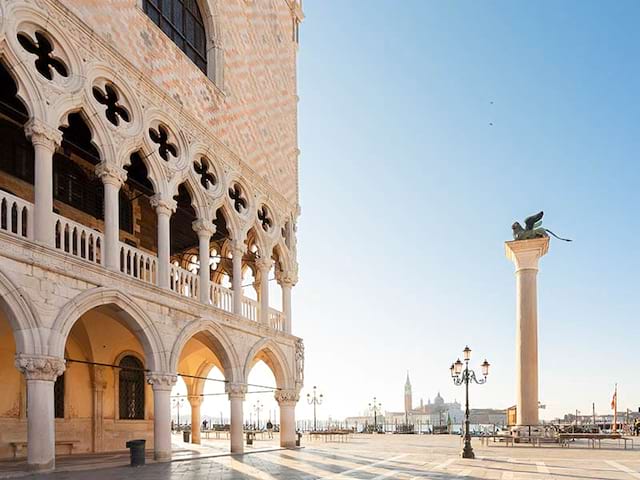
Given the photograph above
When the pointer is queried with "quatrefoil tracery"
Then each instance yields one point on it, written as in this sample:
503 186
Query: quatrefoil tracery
239 202
265 218
110 98
43 49
165 147
207 178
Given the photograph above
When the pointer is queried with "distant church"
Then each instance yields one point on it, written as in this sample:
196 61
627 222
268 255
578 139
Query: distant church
437 413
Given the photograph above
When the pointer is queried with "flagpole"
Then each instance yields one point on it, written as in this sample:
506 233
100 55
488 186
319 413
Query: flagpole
615 409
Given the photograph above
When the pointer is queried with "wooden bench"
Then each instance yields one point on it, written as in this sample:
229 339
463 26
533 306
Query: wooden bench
19 447
484 439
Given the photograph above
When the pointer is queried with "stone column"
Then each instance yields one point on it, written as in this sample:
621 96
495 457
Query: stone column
236 392
287 400
164 209
205 229
195 401
99 385
162 384
236 278
45 140
287 280
112 177
40 372
525 254
264 267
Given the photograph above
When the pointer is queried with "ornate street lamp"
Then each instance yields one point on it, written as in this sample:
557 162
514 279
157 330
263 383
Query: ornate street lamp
256 408
178 402
464 377
375 408
315 401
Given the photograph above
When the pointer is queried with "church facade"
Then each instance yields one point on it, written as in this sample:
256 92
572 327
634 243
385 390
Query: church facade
148 209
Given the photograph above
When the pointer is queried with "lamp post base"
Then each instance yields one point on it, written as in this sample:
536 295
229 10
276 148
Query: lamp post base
467 451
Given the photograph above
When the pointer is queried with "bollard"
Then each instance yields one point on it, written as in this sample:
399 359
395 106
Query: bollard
299 439
249 438
136 450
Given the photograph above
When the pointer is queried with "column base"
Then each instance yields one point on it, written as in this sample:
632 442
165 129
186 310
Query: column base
42 467
238 450
467 451
288 444
162 456
523 433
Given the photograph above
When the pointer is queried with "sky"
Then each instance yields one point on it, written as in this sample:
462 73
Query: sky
426 129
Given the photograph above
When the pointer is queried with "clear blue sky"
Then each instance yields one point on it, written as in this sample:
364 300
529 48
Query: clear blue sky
408 194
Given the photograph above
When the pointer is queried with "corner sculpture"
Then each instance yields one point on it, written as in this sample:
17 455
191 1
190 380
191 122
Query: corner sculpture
533 229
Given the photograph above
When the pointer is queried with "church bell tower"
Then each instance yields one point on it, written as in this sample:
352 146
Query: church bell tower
408 401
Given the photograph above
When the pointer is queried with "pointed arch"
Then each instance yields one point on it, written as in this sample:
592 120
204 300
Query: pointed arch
133 316
270 353
217 341
22 317
100 137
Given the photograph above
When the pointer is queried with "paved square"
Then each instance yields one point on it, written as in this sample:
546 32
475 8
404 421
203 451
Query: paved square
395 457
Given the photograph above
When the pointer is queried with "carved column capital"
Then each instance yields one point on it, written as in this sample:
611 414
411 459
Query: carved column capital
264 264
43 134
235 390
203 227
287 397
111 174
99 380
163 206
287 278
195 400
40 367
238 247
161 381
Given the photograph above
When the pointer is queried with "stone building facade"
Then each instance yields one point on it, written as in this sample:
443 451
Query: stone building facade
141 140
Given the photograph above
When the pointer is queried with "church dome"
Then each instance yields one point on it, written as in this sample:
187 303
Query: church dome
438 400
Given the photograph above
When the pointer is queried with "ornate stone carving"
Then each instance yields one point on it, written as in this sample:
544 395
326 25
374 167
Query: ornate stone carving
40 367
299 362
162 381
204 227
99 380
112 174
264 264
195 400
287 396
43 134
163 205
235 390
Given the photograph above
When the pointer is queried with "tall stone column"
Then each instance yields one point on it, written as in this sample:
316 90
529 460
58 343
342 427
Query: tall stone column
45 140
236 392
164 209
264 267
205 229
162 384
525 254
112 177
236 279
287 280
99 385
195 401
40 372
287 400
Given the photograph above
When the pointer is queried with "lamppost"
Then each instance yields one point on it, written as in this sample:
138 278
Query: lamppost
257 407
464 377
178 402
315 401
375 408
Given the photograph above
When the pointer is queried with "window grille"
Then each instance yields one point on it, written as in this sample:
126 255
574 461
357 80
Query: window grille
131 389
181 21
58 397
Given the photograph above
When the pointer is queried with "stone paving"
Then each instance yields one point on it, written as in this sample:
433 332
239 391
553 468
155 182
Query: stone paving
394 457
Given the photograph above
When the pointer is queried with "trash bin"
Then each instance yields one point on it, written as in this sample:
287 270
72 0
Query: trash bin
185 435
249 438
136 449
299 439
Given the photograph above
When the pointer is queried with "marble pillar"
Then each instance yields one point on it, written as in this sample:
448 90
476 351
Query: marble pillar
236 392
205 229
195 401
40 372
162 384
287 400
264 267
525 255
164 210
238 249
112 178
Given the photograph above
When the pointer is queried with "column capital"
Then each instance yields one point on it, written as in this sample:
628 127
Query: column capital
43 134
235 390
238 247
526 253
195 400
40 367
99 380
111 174
203 227
264 264
161 380
287 278
162 205
287 397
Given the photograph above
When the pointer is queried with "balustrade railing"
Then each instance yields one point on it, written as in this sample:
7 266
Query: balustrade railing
78 240
221 297
138 264
16 215
250 309
276 319
183 282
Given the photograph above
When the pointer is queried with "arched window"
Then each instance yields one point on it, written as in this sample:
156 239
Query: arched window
181 21
131 389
